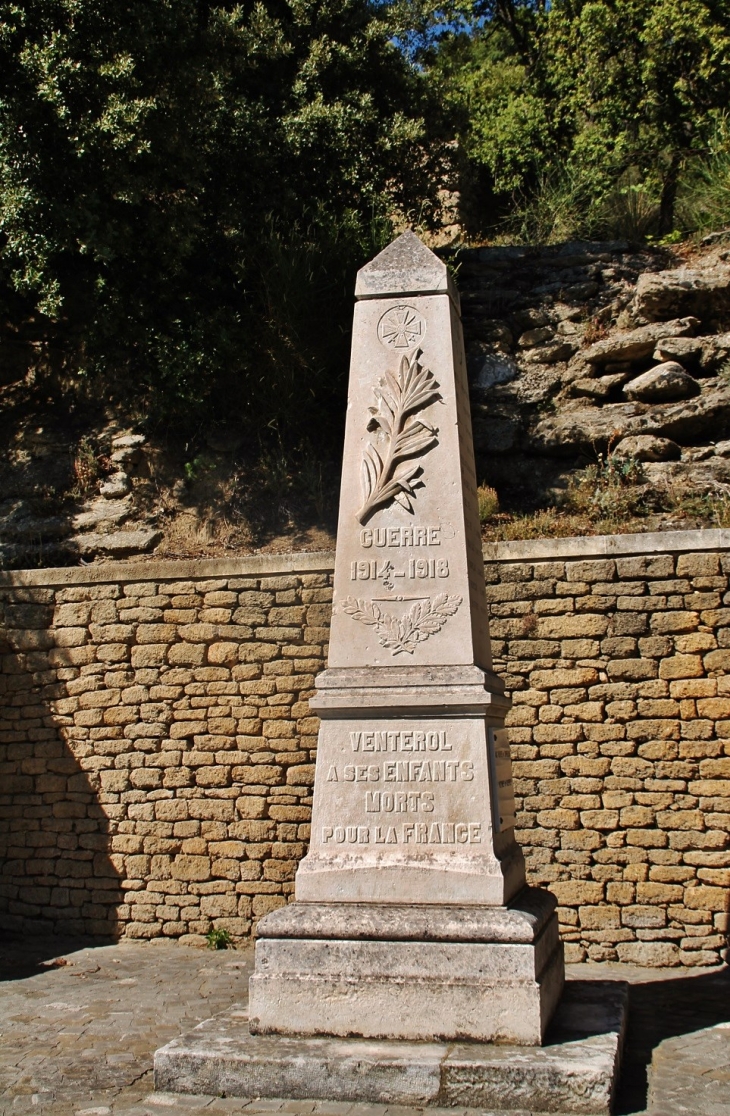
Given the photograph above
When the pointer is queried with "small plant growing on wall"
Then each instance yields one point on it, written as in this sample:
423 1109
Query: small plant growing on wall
218 939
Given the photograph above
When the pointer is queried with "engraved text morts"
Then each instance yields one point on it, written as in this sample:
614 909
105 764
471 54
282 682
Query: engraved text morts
411 918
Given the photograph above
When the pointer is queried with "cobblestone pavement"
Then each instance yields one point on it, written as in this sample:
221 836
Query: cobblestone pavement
79 1025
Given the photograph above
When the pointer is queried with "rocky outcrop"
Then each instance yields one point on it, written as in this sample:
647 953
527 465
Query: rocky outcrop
572 350
647 447
577 348
704 292
61 506
636 344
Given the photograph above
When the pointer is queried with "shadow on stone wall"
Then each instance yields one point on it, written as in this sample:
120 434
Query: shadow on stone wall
56 874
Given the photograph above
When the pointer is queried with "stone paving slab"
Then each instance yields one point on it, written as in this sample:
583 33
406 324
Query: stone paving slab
575 1070
77 1039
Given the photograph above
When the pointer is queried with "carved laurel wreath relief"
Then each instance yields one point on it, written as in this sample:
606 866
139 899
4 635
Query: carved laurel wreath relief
426 617
394 475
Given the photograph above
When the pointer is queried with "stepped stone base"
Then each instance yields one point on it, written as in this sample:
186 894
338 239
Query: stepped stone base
574 1072
409 972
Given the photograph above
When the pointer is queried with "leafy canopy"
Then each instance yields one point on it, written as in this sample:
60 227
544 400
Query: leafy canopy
603 99
186 187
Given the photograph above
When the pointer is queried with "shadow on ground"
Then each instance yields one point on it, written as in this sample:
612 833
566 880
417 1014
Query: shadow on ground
664 1009
27 956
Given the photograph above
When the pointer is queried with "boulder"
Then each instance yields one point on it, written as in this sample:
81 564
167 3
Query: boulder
554 352
715 351
600 387
699 476
686 350
585 428
487 368
664 383
531 317
116 486
128 441
707 415
102 514
704 293
722 449
19 519
127 450
639 343
647 447
532 337
119 544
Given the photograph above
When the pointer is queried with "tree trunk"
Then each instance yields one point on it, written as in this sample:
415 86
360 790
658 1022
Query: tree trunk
669 197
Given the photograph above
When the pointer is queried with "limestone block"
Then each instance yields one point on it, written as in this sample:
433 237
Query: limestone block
309 982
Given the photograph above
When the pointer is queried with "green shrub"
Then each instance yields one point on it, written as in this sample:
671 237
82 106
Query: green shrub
187 190
218 939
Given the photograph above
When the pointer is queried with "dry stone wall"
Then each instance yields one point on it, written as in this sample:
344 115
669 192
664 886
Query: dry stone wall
157 751
157 748
619 669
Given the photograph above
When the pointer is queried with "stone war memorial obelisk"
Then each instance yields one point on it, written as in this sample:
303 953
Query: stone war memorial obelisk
414 965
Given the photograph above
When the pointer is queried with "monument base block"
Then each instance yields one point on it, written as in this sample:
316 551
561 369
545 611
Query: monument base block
574 1072
423 973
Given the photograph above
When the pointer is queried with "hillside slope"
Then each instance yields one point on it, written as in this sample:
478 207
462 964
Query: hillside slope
581 356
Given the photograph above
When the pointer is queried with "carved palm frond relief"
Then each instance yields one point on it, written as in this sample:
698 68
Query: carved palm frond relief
424 619
394 475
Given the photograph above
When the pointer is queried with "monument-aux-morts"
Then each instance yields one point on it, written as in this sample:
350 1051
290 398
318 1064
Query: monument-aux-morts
412 827
414 965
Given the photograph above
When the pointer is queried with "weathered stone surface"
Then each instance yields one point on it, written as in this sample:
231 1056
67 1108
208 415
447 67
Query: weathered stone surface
575 1073
523 921
552 353
704 293
102 513
665 383
686 350
358 968
405 267
532 337
647 447
488 369
638 343
588 426
117 485
600 388
486 992
118 544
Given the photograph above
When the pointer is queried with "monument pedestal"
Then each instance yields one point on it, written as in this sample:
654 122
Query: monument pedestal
491 974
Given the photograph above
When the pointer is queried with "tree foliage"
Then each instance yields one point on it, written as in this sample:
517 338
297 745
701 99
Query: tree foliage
601 99
186 187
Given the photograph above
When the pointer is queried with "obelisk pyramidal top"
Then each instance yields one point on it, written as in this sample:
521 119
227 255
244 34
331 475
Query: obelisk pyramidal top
409 580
